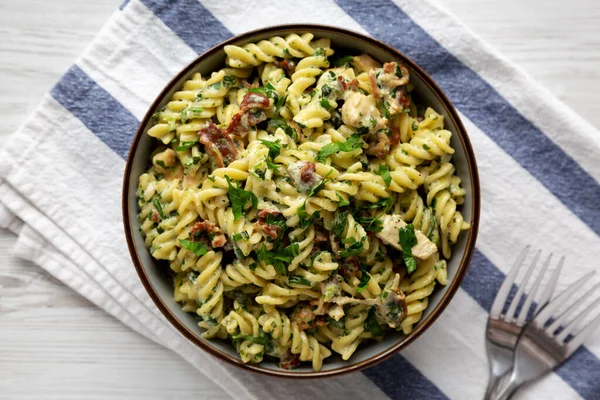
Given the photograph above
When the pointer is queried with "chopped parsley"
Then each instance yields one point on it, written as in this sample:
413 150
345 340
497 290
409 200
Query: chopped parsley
268 90
384 171
239 198
352 143
274 147
299 280
407 239
158 206
198 249
341 201
305 219
342 61
190 113
278 258
426 147
317 188
229 81
275 123
371 324
415 126
241 236
364 281
192 276
325 104
339 223
354 250
185 145
215 86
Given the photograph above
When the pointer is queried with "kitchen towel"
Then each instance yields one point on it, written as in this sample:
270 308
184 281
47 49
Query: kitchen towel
61 174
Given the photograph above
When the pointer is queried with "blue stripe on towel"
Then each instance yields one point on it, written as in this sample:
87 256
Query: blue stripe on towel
97 109
399 379
483 105
194 24
582 371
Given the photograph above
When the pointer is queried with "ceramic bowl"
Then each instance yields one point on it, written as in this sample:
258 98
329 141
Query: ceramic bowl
155 279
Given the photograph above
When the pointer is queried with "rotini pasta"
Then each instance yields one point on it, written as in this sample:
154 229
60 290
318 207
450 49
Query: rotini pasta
303 204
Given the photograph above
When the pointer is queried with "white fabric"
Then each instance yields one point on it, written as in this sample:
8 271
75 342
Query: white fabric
60 192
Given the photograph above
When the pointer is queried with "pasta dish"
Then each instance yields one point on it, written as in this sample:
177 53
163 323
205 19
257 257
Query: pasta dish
304 203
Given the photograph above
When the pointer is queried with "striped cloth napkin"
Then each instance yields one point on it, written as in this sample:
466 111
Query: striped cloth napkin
60 183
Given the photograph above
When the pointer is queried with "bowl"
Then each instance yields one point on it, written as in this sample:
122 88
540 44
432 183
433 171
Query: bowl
155 279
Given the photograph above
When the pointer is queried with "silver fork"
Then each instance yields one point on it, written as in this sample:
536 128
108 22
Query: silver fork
548 340
503 330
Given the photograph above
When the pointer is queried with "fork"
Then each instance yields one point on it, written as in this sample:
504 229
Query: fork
548 340
503 330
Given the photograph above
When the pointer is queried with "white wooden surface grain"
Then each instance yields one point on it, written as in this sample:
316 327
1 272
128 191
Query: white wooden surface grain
55 344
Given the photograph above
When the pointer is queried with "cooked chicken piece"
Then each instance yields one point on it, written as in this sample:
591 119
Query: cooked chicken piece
164 161
364 63
360 111
389 234
303 175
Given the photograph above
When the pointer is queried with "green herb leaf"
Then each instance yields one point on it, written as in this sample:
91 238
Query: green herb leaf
241 236
384 171
239 198
274 147
341 201
268 90
275 123
364 281
371 324
192 276
299 280
352 143
229 81
325 104
317 188
158 206
354 250
415 126
426 147
341 324
185 145
407 240
278 258
198 249
263 340
339 223
341 61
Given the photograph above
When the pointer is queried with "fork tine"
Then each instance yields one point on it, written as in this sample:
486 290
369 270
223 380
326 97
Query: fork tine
580 317
510 313
560 319
583 335
506 285
551 286
544 315
525 310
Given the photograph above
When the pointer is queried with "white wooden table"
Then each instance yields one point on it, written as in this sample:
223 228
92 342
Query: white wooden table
45 328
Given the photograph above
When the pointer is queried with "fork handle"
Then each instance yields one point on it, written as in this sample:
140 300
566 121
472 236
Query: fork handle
507 386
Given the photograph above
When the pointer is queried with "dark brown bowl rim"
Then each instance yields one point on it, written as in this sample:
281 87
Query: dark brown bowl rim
423 324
